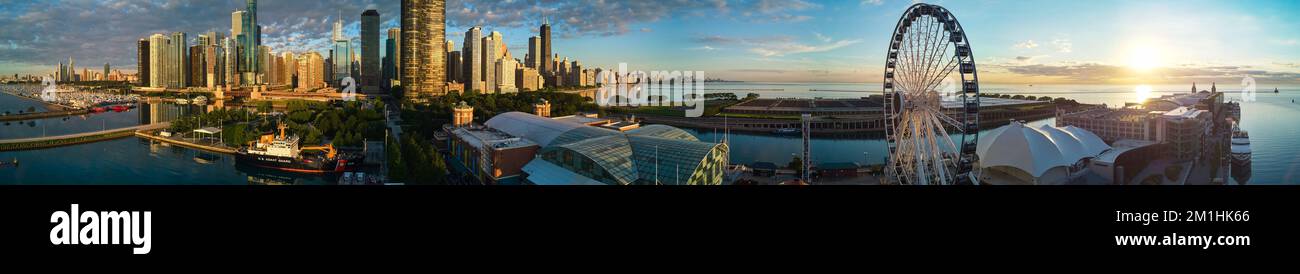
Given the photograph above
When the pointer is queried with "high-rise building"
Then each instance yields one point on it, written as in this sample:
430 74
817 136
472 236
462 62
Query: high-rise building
105 71
370 71
311 71
423 26
455 67
180 61
211 76
159 66
251 44
545 33
342 54
395 51
230 67
527 79
473 59
389 62
449 47
489 60
142 62
197 76
532 60
290 69
264 65
505 75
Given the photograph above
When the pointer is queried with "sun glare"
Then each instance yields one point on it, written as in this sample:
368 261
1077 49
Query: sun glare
1144 58
1142 92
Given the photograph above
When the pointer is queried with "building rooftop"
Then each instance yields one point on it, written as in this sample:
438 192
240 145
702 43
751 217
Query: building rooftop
481 137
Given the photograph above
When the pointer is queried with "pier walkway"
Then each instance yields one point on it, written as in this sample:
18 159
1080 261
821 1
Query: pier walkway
73 139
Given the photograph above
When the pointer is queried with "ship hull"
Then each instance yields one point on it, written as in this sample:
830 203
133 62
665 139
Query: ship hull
302 165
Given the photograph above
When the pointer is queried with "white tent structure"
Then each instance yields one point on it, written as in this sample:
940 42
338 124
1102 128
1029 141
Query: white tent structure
1019 154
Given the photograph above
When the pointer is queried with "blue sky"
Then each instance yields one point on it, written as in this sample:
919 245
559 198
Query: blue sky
1034 41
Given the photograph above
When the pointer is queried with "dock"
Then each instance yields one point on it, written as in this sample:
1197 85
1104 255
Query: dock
74 139
150 136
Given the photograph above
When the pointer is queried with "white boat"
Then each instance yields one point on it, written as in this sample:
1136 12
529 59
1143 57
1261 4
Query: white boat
182 101
1240 147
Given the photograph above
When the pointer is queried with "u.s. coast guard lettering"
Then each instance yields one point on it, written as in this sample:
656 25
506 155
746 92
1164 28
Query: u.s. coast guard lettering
102 228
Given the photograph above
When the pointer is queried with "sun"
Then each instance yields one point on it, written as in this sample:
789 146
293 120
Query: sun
1144 58
1142 92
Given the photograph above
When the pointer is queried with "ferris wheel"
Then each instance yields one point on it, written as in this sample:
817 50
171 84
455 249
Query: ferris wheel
930 123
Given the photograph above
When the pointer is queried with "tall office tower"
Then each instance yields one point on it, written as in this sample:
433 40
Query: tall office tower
230 65
58 73
251 43
341 56
210 65
356 67
311 71
505 75
180 62
423 26
533 60
158 64
290 68
448 47
546 47
472 56
489 60
263 64
197 76
390 63
370 71
454 67
142 62
105 70
395 52
72 69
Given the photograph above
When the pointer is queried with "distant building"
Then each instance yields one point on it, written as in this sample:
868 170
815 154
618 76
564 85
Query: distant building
370 70
341 55
159 60
527 79
1185 122
423 33
473 59
505 75
142 62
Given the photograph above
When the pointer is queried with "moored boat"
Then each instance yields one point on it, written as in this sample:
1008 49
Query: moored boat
282 152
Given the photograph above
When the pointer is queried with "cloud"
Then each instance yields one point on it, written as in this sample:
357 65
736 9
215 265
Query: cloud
872 2
823 38
777 46
704 48
1063 45
775 71
1098 72
1029 44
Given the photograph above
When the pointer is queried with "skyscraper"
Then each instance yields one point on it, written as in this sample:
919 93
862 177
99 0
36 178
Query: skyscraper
533 59
396 51
423 24
180 63
142 62
72 69
546 47
490 57
197 76
370 71
158 61
105 71
473 59
342 54
389 63
251 42
455 66
449 47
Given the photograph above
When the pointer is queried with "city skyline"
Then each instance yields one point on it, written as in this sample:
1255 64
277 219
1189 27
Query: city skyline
795 41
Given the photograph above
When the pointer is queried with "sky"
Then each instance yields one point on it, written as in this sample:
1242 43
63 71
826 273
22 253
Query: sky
1014 41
